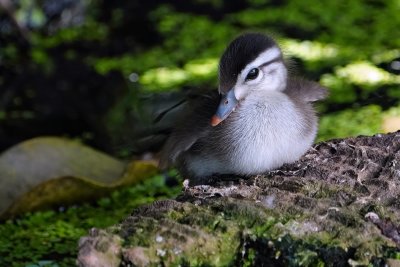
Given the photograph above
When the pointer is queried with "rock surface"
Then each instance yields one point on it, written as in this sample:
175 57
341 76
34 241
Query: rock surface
339 205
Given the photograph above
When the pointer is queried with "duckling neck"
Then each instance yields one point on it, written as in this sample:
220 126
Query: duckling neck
264 103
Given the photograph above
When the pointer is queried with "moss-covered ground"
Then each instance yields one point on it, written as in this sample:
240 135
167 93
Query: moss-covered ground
50 238
336 206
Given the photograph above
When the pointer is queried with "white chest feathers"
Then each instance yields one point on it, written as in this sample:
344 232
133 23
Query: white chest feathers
270 130
266 131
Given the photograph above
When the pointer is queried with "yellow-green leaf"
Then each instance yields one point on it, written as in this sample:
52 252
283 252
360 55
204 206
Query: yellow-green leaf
49 171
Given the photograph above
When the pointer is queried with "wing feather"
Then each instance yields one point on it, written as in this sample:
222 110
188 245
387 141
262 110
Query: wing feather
194 125
308 91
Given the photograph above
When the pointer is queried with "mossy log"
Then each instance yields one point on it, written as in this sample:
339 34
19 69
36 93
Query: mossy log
339 205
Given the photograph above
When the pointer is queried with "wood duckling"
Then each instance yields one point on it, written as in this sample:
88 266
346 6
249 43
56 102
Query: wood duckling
261 118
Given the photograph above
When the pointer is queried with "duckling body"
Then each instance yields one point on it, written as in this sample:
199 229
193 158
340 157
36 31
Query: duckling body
262 119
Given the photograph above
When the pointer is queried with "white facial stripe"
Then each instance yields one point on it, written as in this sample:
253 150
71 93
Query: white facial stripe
272 65
266 56
266 61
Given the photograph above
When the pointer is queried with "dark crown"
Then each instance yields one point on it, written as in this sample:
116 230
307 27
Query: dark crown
240 52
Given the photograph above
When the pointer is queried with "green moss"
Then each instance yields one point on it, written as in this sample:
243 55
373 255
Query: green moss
53 235
177 237
249 261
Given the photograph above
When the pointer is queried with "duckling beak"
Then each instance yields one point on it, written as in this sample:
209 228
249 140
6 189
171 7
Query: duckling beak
226 106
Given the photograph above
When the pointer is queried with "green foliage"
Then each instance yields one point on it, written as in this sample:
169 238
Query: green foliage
338 44
208 38
365 24
196 72
89 31
352 122
182 44
50 238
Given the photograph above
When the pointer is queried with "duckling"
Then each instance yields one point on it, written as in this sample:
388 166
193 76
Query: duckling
260 118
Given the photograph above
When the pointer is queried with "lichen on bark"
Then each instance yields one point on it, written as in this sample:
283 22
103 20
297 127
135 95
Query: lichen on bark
337 206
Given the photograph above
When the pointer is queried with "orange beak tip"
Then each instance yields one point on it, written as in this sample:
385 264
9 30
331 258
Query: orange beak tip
215 120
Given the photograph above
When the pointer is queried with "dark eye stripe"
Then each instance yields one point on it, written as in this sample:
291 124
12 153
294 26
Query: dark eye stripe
271 61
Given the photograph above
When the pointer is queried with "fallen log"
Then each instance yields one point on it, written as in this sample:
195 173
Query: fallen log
338 205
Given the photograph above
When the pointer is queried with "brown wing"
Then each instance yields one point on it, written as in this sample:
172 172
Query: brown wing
194 125
308 91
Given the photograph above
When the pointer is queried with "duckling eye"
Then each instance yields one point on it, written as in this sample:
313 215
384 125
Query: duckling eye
253 74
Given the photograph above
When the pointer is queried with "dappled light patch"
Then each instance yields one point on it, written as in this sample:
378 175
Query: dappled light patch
163 78
366 74
166 79
309 50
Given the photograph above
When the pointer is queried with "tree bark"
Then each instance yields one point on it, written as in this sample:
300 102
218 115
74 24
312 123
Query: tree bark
338 205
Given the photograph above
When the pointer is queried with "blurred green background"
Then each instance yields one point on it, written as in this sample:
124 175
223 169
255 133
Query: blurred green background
103 72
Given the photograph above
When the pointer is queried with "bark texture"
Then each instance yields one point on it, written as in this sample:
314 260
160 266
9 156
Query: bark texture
338 205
